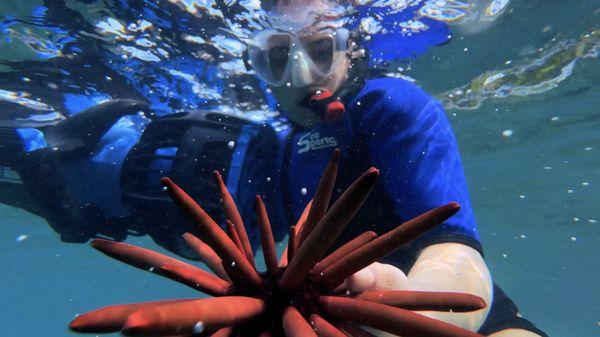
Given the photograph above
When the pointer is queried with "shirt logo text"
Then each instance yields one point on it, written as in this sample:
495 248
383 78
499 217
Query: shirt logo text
313 141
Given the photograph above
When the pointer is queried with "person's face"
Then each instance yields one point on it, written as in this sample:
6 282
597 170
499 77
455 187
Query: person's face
301 79
290 97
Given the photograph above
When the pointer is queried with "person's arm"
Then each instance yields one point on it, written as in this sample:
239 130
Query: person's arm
411 141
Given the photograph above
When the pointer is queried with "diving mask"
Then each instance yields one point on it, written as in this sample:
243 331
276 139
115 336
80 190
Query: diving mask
281 58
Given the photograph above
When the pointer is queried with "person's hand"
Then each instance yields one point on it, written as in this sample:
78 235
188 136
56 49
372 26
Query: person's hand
377 276
448 266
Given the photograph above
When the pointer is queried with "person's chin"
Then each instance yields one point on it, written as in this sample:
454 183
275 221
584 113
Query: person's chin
291 101
299 114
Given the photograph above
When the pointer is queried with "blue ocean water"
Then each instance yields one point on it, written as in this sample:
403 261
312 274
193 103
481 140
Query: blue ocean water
530 148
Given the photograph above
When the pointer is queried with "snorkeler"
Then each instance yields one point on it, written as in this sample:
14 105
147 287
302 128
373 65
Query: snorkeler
91 178
313 72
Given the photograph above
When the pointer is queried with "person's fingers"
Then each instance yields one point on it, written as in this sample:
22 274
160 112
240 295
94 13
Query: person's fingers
388 277
362 280
377 276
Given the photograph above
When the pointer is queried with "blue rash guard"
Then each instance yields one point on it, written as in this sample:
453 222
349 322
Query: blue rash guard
393 125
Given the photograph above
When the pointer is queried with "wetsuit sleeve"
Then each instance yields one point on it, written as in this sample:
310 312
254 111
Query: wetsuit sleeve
411 141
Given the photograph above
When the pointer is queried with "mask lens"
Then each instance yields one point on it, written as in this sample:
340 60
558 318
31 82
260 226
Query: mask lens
260 62
320 50
278 54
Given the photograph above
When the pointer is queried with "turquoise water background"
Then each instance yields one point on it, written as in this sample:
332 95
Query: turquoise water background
533 165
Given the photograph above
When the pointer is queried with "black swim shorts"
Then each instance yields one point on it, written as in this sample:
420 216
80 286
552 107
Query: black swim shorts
504 314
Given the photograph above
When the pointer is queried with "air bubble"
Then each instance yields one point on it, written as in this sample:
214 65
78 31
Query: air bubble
21 237
198 327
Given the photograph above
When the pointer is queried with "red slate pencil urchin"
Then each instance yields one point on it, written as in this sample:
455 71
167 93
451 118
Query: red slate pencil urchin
292 300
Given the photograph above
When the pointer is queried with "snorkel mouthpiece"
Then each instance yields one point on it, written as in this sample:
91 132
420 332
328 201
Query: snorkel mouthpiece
334 111
323 103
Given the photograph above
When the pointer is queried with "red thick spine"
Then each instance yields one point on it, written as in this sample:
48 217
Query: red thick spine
233 214
292 243
149 260
225 332
234 274
424 300
324 328
344 250
199 279
328 230
207 255
396 321
352 330
283 261
322 197
133 255
266 236
193 316
302 219
231 228
213 234
295 325
112 318
386 244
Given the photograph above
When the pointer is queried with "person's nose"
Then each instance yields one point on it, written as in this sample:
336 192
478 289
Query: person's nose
300 70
